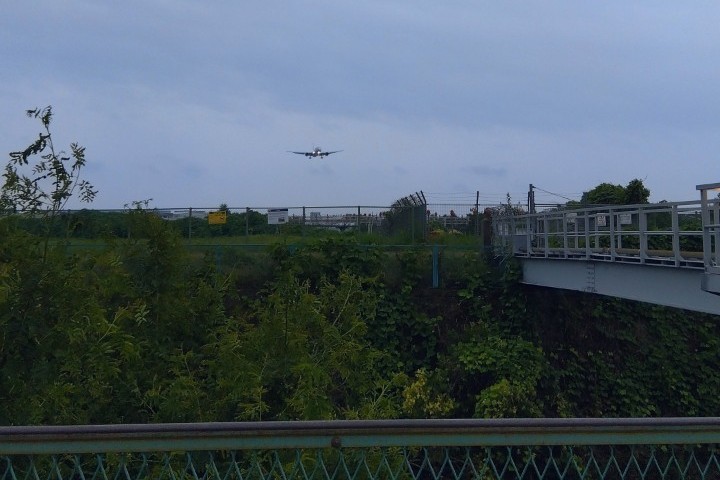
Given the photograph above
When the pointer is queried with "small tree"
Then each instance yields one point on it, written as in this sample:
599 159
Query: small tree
604 194
609 194
636 193
44 186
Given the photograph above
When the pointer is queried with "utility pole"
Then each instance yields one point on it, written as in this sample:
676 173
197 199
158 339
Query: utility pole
531 199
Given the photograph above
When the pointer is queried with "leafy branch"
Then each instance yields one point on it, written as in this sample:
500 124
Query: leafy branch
45 185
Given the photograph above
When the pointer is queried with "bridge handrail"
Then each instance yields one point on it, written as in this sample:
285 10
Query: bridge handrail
667 233
455 449
33 440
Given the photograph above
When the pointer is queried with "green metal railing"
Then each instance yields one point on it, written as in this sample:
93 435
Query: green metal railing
682 448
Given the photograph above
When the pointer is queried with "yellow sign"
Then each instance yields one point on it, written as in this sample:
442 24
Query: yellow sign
217 218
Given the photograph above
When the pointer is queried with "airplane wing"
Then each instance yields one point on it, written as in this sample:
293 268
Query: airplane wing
307 154
328 153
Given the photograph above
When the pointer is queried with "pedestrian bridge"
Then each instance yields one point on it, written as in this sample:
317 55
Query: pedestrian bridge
664 253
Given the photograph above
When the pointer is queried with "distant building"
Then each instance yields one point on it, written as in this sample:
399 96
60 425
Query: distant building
179 214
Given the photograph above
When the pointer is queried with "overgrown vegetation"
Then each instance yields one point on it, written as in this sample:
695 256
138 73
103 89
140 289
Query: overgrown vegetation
138 333
144 329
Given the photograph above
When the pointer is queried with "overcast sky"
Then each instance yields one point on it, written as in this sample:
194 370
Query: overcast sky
196 103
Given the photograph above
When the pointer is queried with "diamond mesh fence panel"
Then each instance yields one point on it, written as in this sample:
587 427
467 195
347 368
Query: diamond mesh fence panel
432 463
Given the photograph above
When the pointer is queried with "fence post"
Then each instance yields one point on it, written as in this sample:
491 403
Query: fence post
412 223
676 235
611 220
435 263
189 223
642 232
477 213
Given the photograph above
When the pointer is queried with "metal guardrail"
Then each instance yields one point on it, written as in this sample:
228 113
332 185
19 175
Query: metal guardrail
684 448
667 234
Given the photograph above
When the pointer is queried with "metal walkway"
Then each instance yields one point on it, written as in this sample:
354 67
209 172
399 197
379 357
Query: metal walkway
664 253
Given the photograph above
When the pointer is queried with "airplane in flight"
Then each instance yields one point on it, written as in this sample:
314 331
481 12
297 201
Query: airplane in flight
316 152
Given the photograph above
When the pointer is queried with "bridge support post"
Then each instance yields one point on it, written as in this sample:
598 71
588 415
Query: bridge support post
711 238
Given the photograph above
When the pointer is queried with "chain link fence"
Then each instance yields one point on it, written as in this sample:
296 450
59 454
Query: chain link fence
406 222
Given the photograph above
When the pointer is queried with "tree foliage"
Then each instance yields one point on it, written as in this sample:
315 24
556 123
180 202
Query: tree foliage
608 194
636 193
40 178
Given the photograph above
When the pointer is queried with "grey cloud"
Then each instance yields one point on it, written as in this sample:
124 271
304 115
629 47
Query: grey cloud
411 90
484 170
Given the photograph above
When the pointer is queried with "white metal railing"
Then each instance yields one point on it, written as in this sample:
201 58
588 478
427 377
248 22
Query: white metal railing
711 226
679 234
